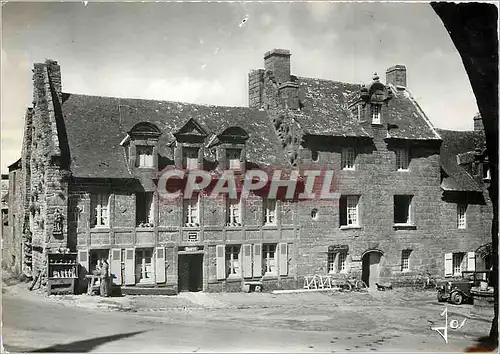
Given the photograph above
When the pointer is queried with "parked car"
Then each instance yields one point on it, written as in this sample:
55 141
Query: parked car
458 291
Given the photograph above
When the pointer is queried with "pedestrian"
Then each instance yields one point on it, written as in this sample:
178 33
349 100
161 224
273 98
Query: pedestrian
104 278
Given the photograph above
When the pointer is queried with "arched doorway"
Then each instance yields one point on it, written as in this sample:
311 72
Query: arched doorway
370 270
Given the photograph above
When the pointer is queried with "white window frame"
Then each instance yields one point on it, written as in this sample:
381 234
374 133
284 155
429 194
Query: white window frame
140 255
457 263
337 262
405 260
191 156
348 159
144 155
270 208
233 214
233 261
462 215
376 110
191 211
234 159
402 159
100 204
352 210
269 260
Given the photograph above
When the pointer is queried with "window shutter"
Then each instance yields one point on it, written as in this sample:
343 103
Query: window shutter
222 158
83 260
471 261
221 261
129 266
283 259
343 211
257 260
448 264
178 156
160 265
115 267
247 261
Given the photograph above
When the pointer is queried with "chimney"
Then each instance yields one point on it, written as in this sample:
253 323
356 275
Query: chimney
54 71
256 88
396 75
478 123
278 62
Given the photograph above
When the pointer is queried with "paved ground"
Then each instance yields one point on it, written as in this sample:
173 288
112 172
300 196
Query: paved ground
395 321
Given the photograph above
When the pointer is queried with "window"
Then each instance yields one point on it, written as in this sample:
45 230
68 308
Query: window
96 258
337 262
191 158
144 156
458 259
375 113
269 211
100 207
191 212
144 265
269 259
349 210
234 158
402 159
405 260
402 209
233 261
144 209
461 216
348 158
486 172
233 216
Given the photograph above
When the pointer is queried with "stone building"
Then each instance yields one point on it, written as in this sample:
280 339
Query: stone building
411 198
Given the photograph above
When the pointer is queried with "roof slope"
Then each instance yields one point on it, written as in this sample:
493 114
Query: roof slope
324 112
96 125
455 143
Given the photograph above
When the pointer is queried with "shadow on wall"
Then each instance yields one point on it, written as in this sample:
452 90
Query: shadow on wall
85 346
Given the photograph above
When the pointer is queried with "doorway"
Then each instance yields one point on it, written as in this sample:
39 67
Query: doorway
190 272
371 267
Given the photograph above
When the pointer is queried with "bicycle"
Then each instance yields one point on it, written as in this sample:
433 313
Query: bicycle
424 281
353 284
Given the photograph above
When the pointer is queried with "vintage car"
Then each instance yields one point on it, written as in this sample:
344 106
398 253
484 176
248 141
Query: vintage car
458 291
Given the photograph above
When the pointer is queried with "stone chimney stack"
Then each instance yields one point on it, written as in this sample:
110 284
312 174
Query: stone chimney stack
278 62
478 123
396 75
54 71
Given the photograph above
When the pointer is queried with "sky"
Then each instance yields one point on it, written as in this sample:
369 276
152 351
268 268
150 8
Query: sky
202 52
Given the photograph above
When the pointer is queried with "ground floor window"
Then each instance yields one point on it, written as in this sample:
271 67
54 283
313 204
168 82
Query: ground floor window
337 262
144 265
233 265
269 259
97 257
458 260
405 260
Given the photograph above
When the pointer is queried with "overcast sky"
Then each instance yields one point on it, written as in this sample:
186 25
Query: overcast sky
200 52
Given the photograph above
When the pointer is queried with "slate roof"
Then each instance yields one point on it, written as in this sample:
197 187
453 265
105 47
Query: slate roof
455 143
96 125
324 112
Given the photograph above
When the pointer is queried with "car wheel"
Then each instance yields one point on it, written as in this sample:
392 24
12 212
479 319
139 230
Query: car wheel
441 297
457 298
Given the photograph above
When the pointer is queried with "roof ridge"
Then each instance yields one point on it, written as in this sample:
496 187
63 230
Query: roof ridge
318 79
421 112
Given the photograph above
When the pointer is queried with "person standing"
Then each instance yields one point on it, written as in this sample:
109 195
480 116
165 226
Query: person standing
104 278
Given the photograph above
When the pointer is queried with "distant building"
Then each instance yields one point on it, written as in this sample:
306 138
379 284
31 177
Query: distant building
412 198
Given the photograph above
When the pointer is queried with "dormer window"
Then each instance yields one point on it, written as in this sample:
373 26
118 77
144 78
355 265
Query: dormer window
376 109
190 158
145 156
234 159
486 172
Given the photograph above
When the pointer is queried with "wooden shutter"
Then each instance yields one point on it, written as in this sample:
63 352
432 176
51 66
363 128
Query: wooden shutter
247 261
448 264
116 266
83 260
283 259
129 266
178 156
160 265
471 261
257 260
221 261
